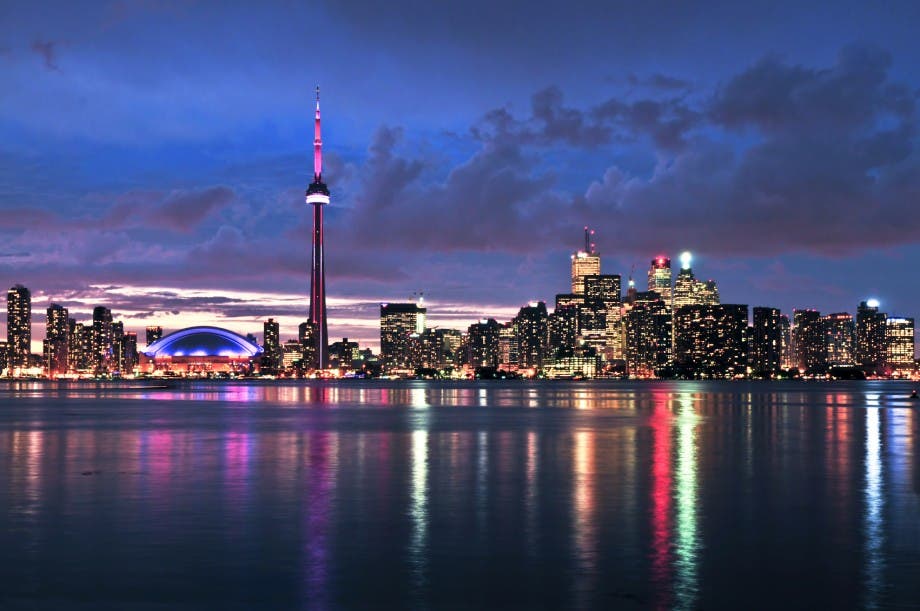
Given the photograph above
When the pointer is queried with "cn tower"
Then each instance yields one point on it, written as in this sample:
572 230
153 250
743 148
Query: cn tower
318 196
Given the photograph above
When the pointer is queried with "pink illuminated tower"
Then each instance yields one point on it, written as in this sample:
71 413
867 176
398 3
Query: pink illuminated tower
318 196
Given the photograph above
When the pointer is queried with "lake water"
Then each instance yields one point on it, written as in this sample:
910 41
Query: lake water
415 495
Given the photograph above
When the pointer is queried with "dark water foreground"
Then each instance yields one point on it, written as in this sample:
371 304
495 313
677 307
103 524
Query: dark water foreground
460 495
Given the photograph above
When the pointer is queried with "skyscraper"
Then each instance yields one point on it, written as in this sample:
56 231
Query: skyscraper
810 341
273 357
563 331
398 323
102 339
55 346
81 346
767 341
871 340
19 326
786 329
532 335
900 340
690 291
130 353
508 346
118 346
685 283
601 318
307 343
318 196
708 292
711 340
649 335
585 262
841 339
659 278
483 342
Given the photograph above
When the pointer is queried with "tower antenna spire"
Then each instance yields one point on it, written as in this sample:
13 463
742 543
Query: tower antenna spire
587 246
317 145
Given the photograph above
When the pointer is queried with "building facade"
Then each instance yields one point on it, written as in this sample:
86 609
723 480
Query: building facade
18 327
102 340
871 338
711 340
766 341
56 344
483 343
273 357
532 328
398 323
648 330
900 346
810 341
659 278
841 339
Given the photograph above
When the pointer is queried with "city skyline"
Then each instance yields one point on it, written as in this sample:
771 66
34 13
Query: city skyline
366 329
181 188
596 323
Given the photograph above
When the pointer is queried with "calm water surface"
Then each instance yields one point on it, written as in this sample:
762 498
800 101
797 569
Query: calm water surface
460 495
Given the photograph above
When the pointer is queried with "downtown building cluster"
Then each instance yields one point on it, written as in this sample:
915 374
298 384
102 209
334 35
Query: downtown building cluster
98 347
676 328
101 348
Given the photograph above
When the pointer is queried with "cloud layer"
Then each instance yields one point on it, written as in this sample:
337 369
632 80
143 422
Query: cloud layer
140 146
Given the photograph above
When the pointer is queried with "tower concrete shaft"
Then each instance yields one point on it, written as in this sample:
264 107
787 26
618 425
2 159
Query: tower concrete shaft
318 196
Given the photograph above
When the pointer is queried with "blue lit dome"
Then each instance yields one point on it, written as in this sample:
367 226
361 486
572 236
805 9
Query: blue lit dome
203 341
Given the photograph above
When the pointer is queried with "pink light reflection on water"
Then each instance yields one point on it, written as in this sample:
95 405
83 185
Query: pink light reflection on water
321 450
662 556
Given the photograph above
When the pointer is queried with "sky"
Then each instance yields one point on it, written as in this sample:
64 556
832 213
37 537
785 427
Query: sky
154 155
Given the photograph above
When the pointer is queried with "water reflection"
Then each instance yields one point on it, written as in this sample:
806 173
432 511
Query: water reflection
531 492
517 495
319 484
874 506
661 501
687 543
584 527
418 508
482 478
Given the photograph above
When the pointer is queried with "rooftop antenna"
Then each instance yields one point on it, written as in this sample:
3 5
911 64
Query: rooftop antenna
586 239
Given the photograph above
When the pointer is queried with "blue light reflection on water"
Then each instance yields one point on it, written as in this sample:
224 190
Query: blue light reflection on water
425 494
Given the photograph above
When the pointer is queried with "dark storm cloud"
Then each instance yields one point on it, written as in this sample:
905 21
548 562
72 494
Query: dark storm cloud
834 169
665 120
659 81
565 125
47 51
777 96
831 166
488 203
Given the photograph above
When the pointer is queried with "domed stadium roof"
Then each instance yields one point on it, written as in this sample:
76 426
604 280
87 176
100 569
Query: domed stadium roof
203 341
